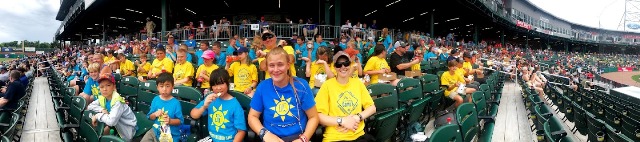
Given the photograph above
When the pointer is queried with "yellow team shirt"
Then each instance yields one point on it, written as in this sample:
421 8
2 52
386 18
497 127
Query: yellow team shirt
108 59
146 66
208 69
337 100
157 65
316 69
460 72
243 75
375 63
415 67
448 79
182 71
127 66
289 51
467 65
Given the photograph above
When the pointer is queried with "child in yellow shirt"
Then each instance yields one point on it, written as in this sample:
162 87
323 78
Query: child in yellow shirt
160 64
204 70
143 67
377 65
183 71
245 74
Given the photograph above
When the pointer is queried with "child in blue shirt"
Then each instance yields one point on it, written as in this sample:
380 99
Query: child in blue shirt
165 108
225 117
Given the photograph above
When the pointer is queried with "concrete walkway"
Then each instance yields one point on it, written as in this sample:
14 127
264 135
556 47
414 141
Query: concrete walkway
40 123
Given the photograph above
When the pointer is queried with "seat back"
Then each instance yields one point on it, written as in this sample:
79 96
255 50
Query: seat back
431 88
553 129
146 92
76 109
118 78
185 96
87 132
385 121
468 119
143 123
481 103
446 133
245 103
409 89
129 86
10 131
385 97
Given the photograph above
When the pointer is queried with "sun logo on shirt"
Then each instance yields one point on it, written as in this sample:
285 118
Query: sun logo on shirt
217 118
282 108
95 90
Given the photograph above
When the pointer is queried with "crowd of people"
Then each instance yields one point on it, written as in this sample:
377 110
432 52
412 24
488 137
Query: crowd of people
305 82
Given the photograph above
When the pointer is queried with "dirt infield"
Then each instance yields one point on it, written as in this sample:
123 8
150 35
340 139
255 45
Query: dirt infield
623 77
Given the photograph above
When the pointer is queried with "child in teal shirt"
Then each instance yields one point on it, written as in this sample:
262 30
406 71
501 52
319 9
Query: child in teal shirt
225 118
165 111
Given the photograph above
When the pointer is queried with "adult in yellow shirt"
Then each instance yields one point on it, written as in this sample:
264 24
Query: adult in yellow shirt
343 103
126 66
377 65
183 71
319 66
452 81
160 64
143 67
204 70
357 72
269 41
245 74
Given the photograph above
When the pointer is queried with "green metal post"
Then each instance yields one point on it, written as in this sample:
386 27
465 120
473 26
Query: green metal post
431 24
475 34
337 12
163 8
327 13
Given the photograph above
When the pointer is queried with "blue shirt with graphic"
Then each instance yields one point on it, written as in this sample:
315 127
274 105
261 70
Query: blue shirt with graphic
92 88
283 113
172 108
224 119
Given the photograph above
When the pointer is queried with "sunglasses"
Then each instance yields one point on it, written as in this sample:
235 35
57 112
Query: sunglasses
267 36
342 64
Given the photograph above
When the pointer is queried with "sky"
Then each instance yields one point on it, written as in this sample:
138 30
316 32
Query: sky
28 20
588 12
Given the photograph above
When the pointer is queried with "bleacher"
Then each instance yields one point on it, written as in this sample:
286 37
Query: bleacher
12 121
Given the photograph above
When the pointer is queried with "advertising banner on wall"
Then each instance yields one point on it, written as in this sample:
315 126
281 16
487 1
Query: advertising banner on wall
632 26
625 69
523 25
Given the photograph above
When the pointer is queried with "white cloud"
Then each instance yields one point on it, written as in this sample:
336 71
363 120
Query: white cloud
28 20
606 14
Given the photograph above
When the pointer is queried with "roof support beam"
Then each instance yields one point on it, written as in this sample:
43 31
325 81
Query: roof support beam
163 8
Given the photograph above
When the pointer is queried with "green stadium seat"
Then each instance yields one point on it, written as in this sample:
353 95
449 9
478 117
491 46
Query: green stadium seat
411 98
129 90
383 124
446 133
467 118
245 103
554 132
431 90
143 123
146 92
88 132
189 97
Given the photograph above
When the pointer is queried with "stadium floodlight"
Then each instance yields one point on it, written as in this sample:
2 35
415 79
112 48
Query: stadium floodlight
89 28
374 11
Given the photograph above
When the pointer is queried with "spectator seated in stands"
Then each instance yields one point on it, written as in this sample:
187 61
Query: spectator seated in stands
204 71
233 122
461 71
4 75
344 125
402 61
160 64
220 57
320 67
204 46
377 64
23 78
245 74
126 66
183 70
143 67
452 81
12 93
112 110
91 89
165 112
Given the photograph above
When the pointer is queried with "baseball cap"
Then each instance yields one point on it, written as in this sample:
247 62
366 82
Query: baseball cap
466 55
3 67
107 76
341 54
208 55
241 50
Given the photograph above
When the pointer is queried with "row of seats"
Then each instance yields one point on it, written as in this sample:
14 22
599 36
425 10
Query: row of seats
75 123
598 114
474 120
12 120
546 126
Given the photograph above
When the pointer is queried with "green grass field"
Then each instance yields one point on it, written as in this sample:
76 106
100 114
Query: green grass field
6 59
636 77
